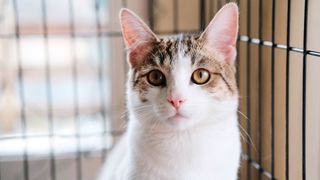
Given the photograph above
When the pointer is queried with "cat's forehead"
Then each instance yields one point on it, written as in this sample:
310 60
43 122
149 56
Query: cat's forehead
171 52
180 40
171 47
168 50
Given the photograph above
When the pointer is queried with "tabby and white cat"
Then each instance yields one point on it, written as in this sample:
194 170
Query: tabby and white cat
182 100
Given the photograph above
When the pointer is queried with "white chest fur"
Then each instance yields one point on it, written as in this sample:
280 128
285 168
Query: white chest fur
204 152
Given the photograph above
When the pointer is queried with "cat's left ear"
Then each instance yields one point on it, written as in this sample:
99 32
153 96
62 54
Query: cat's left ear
220 36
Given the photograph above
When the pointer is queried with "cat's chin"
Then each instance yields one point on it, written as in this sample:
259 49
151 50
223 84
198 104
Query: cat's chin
178 122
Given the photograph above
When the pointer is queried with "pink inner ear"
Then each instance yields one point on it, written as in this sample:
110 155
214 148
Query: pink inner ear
221 33
134 29
136 54
136 34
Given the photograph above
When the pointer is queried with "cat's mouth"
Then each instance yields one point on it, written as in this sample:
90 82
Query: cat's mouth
178 117
178 121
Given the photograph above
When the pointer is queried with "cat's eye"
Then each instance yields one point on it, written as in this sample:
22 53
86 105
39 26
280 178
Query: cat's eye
200 76
156 78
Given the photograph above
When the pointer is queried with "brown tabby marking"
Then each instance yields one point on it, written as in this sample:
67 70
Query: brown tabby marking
164 53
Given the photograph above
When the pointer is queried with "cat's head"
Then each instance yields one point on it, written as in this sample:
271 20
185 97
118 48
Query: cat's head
185 79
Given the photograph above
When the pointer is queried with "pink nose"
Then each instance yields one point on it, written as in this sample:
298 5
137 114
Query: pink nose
175 102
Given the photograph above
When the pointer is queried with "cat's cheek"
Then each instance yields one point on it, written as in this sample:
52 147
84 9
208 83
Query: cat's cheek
158 109
199 112
133 99
187 111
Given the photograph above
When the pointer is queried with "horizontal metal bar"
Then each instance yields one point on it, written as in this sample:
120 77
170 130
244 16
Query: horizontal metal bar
313 53
113 133
83 34
63 34
245 38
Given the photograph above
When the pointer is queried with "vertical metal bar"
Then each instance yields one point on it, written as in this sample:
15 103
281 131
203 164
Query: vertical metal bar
101 77
304 87
125 3
126 65
219 4
238 50
260 85
202 15
21 91
287 86
237 64
48 88
248 88
211 9
150 14
75 90
175 16
272 84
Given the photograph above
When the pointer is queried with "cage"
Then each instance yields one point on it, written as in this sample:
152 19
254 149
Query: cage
63 69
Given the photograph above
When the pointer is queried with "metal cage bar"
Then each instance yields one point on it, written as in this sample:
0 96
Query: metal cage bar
238 48
251 40
273 25
287 86
202 16
260 86
21 90
304 87
48 88
75 89
175 4
100 76
248 90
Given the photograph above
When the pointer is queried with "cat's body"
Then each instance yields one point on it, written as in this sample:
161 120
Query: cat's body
204 153
182 101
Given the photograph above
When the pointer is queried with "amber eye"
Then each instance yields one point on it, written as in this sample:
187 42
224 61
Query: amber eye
200 76
156 78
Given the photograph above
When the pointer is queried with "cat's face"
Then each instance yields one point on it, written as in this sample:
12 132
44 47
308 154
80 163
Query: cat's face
184 79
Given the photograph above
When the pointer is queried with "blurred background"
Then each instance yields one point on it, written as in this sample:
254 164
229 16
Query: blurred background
63 70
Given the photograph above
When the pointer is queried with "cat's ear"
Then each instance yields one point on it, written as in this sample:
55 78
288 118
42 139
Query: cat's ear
136 34
220 36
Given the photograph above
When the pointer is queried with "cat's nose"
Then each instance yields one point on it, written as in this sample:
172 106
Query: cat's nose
175 102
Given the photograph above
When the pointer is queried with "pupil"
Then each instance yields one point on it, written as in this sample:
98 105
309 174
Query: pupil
200 75
157 77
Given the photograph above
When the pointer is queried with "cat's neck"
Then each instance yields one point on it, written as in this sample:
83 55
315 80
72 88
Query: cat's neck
176 150
168 153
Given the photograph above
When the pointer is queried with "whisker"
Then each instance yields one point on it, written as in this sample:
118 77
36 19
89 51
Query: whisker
243 114
248 136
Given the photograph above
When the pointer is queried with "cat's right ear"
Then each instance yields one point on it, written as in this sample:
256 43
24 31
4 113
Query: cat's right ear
136 34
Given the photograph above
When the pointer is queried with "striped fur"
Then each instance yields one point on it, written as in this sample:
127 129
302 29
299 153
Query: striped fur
164 55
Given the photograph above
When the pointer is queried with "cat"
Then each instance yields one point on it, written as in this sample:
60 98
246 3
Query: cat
182 100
